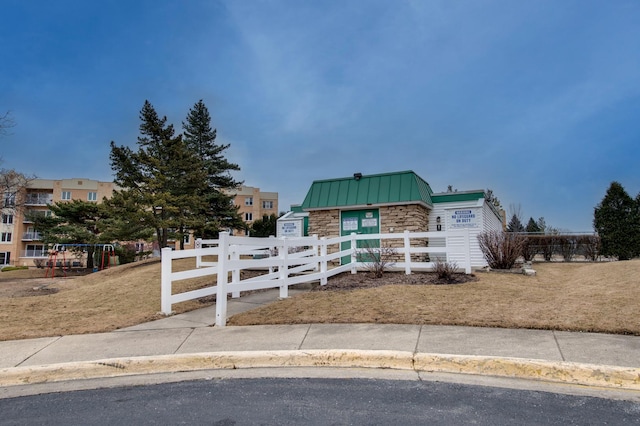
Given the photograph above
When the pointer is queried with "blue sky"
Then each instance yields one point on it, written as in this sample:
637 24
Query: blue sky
537 100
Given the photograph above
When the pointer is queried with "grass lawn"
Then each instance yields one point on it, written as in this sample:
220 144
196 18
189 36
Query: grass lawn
603 297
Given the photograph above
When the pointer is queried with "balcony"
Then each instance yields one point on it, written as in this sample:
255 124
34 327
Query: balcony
30 214
38 199
31 236
36 252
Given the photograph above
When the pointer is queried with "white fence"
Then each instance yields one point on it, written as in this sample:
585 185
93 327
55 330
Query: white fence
290 261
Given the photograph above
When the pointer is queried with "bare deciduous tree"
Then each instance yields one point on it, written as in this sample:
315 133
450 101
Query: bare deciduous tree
6 122
12 185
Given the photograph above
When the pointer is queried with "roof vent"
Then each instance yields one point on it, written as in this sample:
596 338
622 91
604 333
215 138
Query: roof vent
357 176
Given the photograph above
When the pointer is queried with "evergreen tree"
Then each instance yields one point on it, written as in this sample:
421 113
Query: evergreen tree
616 220
73 222
159 181
532 226
542 224
264 227
515 225
215 210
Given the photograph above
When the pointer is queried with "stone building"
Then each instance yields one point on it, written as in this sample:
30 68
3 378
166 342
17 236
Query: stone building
395 202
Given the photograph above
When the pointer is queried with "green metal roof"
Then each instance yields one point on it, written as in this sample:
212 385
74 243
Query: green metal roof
450 197
388 188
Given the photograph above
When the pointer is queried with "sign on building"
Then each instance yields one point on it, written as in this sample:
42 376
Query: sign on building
463 218
291 228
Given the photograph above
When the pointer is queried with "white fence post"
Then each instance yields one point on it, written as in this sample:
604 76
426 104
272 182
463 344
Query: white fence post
165 281
198 257
407 253
272 248
235 273
221 290
467 252
323 262
284 268
354 257
315 250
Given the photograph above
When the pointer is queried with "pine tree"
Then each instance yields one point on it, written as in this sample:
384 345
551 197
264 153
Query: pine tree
616 220
74 222
216 209
264 227
515 225
532 226
160 180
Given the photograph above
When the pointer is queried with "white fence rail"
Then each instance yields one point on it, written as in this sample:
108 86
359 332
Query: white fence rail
290 261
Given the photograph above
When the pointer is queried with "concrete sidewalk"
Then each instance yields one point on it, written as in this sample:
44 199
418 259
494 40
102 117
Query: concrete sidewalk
187 342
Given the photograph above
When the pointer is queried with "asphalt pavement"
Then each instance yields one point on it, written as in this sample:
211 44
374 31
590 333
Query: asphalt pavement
189 342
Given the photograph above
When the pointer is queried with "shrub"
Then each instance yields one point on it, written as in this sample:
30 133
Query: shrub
126 253
13 268
548 246
445 271
590 246
500 249
378 259
529 247
567 245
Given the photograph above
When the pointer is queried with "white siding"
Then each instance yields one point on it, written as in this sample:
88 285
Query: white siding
485 220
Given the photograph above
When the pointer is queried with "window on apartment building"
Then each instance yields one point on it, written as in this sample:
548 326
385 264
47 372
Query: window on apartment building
139 247
5 257
35 250
5 237
248 216
7 219
248 201
92 196
66 195
9 199
267 205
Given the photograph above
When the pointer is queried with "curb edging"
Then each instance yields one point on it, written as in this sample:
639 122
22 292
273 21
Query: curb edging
562 372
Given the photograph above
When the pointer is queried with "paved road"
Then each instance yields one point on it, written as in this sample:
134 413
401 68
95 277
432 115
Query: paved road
314 401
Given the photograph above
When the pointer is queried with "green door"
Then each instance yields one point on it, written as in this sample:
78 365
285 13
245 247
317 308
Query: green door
361 222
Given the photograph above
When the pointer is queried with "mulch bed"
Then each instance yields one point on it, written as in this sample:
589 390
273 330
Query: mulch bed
348 281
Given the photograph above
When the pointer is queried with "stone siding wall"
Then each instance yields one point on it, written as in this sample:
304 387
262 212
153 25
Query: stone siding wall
414 218
324 223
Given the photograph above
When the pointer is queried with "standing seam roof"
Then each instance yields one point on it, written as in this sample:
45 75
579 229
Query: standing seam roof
387 188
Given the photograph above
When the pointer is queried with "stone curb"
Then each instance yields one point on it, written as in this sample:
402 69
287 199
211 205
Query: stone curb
562 372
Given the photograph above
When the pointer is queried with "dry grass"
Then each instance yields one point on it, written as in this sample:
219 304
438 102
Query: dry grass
103 301
601 297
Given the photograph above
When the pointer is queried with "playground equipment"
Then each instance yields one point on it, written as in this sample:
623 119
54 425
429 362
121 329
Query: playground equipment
109 252
53 261
104 255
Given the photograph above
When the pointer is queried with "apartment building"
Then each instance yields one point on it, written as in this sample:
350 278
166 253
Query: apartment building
19 242
254 204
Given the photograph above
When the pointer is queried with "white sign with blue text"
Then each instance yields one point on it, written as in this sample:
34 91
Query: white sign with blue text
463 218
